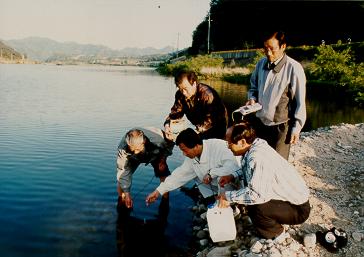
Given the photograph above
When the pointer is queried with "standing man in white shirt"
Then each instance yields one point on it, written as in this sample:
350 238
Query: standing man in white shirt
272 189
205 162
278 83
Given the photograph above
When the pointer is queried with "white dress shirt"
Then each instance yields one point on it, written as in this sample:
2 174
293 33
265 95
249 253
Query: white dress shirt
216 159
265 175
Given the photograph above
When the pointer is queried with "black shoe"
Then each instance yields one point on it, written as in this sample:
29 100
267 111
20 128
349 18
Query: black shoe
332 240
328 240
341 237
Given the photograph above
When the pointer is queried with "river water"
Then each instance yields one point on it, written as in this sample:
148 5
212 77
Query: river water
59 130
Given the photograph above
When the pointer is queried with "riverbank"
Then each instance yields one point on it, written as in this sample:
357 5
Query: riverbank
331 160
16 61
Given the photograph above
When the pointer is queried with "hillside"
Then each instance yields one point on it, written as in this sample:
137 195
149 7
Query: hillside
44 49
8 54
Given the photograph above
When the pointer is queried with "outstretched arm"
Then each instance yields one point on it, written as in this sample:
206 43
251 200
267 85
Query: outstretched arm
125 196
152 197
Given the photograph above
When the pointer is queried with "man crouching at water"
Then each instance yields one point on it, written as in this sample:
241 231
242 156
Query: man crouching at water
141 145
206 160
272 189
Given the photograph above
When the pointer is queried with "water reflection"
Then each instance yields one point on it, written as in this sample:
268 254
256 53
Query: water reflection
326 105
142 237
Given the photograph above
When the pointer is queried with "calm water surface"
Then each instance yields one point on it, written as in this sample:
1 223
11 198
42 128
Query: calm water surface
59 130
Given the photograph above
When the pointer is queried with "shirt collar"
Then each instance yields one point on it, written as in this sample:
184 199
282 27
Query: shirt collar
204 154
280 63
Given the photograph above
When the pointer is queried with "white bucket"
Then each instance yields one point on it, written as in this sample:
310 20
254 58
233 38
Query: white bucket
221 223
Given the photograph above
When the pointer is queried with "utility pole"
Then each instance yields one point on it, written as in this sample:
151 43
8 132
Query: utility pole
208 35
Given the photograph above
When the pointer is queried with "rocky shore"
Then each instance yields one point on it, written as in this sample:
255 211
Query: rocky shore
331 160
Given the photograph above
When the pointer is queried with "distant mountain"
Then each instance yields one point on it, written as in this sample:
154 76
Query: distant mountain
43 49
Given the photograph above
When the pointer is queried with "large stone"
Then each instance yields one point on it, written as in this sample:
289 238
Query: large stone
357 236
256 247
204 242
309 240
219 252
202 234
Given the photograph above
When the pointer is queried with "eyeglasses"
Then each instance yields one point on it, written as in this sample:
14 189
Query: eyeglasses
271 51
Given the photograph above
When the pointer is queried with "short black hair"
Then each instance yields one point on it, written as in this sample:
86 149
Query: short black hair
277 34
241 131
189 138
181 74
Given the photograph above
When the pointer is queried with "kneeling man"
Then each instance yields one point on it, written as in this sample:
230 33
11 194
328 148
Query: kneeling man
272 189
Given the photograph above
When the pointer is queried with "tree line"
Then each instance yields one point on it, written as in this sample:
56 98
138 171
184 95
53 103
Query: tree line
238 24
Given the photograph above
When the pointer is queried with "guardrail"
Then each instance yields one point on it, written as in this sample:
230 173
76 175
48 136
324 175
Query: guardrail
236 54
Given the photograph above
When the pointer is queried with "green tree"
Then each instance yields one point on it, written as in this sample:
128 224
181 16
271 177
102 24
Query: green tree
338 68
333 66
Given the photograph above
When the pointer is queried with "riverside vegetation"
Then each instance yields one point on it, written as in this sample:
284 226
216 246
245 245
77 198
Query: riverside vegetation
338 65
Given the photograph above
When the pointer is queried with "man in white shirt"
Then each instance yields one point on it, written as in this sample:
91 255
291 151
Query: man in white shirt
206 161
272 189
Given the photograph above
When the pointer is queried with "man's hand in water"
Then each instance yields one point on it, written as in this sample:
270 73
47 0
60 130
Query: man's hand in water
152 197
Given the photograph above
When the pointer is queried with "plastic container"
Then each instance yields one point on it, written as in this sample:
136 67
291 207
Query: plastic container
221 223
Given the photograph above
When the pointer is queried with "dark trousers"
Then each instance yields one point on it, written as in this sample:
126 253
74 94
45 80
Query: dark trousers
269 217
160 167
278 136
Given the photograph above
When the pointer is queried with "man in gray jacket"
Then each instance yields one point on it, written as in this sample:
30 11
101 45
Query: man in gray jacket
141 145
278 83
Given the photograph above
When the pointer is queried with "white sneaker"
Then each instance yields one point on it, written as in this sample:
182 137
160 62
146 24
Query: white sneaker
236 212
281 237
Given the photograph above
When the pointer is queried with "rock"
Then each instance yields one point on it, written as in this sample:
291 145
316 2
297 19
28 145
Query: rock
204 242
202 208
253 240
203 215
274 252
357 236
256 247
292 232
281 238
202 234
309 240
202 253
219 252
196 228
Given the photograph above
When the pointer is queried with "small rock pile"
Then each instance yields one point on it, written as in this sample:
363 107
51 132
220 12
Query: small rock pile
294 242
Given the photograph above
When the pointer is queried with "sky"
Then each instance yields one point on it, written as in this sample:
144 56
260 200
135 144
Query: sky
113 23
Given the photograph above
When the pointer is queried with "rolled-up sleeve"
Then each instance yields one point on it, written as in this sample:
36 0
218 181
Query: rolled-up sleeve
124 170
